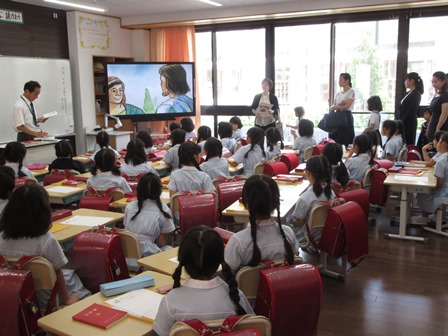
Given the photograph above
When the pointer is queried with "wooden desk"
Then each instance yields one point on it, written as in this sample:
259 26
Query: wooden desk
162 168
71 231
160 263
289 194
123 202
65 198
290 151
409 184
60 322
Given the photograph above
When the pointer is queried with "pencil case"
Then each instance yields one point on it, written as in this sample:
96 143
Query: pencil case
126 285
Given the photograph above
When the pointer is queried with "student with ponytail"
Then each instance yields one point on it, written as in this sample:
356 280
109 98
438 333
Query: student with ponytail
148 217
102 140
204 132
135 161
273 137
391 148
333 152
171 158
189 177
14 155
363 158
205 295
252 153
265 238
318 173
64 154
214 164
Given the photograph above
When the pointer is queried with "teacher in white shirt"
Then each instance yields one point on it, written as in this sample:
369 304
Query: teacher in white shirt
265 117
25 121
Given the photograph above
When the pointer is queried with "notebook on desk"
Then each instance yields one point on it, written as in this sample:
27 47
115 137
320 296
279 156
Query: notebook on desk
100 316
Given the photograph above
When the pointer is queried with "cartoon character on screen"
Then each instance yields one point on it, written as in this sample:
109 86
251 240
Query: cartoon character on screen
173 80
117 99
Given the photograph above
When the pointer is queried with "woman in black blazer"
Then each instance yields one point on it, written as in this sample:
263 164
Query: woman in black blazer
267 97
409 106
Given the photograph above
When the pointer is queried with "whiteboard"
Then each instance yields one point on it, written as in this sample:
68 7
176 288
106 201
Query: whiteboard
56 93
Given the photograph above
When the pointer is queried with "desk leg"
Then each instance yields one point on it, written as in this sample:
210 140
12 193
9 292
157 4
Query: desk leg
404 216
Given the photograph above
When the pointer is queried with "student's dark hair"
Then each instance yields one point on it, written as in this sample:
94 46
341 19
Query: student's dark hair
444 137
225 130
299 111
102 139
146 138
176 78
438 135
374 104
27 214
391 126
149 187
417 80
201 252
31 86
236 121
273 136
105 161
15 152
7 181
320 169
204 132
177 136
269 81
213 148
306 128
347 77
440 75
428 109
400 129
135 152
63 149
187 124
187 152
364 146
256 135
261 196
333 152
374 137
174 125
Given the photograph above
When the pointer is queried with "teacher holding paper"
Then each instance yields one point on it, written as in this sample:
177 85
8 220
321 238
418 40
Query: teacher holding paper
25 121
265 106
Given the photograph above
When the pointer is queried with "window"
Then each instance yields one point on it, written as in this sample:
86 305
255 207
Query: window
204 67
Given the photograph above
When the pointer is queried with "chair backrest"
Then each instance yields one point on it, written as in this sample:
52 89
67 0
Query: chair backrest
351 185
412 147
43 272
291 160
130 244
275 168
367 179
402 155
237 146
259 323
414 155
259 168
248 277
316 219
308 153
116 194
386 164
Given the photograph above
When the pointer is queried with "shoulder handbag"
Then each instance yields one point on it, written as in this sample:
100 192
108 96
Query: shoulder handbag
226 328
332 121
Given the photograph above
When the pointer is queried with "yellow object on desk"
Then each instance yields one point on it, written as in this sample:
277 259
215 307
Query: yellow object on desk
56 227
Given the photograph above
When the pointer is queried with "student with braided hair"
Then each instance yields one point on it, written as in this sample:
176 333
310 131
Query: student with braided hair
252 153
318 173
265 238
14 155
273 137
102 140
148 217
189 177
333 152
135 161
204 296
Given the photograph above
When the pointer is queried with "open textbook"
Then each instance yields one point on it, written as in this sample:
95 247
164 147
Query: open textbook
263 109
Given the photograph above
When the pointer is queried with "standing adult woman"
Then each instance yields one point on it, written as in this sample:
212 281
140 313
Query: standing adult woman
265 117
409 106
344 101
438 105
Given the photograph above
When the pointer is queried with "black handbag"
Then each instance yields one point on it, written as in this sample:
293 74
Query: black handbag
332 121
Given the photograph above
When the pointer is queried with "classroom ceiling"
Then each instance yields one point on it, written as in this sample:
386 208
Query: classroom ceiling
141 13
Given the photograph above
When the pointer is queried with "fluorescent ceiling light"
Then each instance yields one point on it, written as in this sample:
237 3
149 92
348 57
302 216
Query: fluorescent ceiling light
73 4
211 3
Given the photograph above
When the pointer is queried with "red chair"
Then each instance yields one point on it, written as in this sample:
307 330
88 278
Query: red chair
291 160
414 155
228 193
412 147
275 168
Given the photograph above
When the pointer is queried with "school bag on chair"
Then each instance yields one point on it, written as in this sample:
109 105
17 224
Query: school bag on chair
379 192
94 199
98 257
291 298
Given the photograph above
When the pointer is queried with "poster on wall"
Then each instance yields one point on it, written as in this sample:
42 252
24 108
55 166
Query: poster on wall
93 33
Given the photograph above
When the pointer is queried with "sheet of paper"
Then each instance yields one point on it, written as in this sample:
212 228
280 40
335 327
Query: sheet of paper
174 260
141 303
411 178
63 190
87 220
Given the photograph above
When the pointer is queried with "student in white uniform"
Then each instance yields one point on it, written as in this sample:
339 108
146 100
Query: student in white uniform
339 174
204 132
362 159
14 155
252 153
391 148
299 112
265 238
189 176
109 175
147 140
135 161
205 295
214 164
430 202
25 231
237 126
273 137
318 173
148 217
305 138
102 140
225 134
375 140
171 157
375 106
427 160
188 126
7 184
